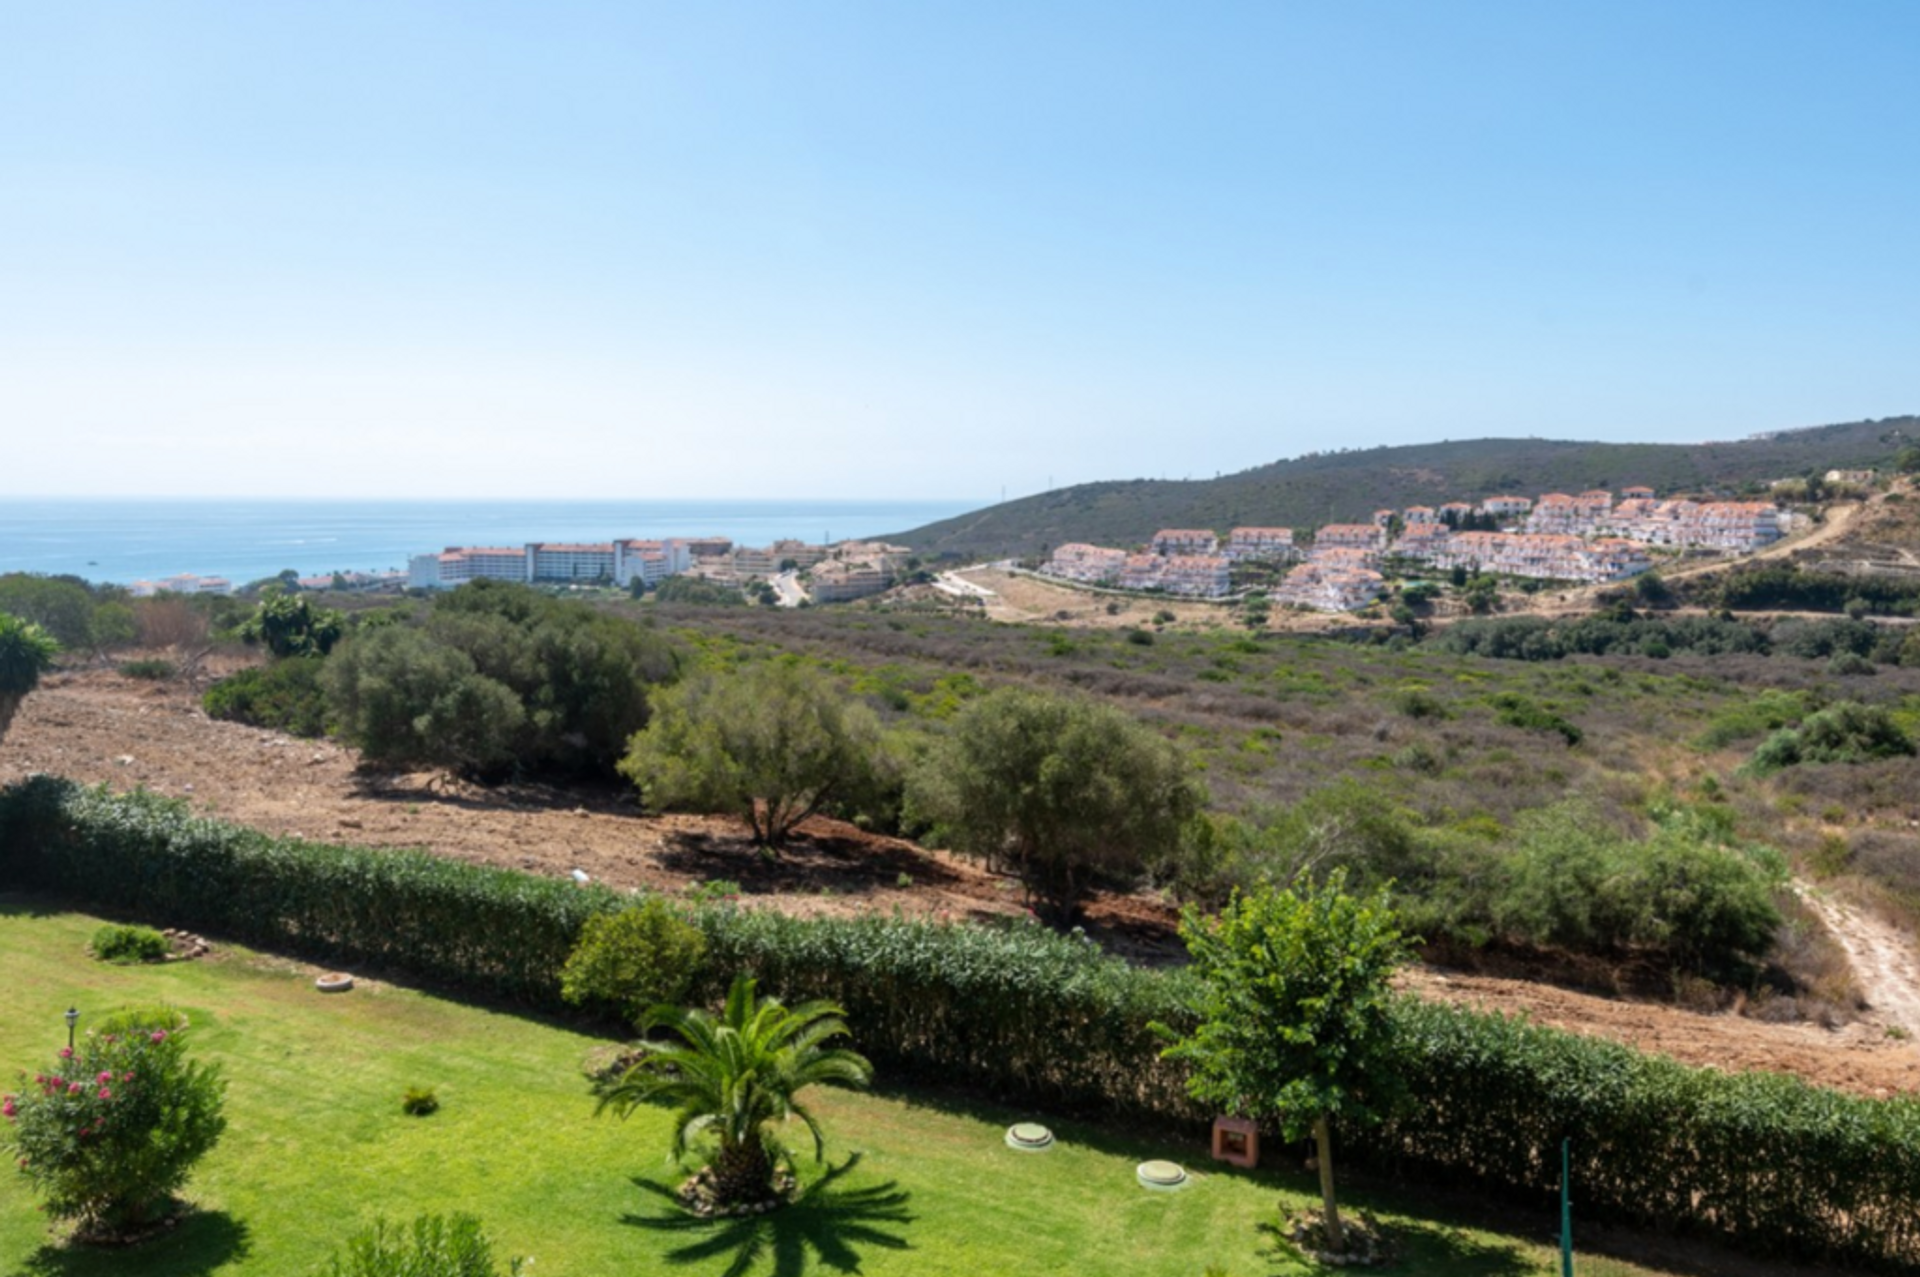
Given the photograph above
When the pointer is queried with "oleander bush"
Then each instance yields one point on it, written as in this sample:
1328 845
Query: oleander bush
111 1131
1034 1017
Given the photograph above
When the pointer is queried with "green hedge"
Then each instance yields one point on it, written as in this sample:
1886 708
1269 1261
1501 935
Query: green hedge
493 931
1031 1017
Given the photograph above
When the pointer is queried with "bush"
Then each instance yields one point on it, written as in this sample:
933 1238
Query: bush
419 1101
1848 732
284 696
150 668
1699 905
498 677
112 1130
130 944
434 1246
634 960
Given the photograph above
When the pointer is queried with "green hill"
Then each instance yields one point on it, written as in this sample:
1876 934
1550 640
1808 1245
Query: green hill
1347 486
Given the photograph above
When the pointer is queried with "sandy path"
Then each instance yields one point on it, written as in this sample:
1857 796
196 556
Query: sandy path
1885 964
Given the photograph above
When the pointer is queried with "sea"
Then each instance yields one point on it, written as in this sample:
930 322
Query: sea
123 540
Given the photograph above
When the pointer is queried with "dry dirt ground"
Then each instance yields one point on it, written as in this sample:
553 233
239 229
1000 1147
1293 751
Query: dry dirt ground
99 727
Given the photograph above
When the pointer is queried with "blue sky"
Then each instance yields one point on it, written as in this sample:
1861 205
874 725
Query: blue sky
632 250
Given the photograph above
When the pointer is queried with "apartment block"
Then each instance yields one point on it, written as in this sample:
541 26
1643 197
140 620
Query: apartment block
1506 507
1416 514
1077 561
1328 588
842 580
554 561
1184 541
1351 536
1197 575
1261 543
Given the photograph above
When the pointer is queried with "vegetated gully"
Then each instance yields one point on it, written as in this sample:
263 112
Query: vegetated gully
96 726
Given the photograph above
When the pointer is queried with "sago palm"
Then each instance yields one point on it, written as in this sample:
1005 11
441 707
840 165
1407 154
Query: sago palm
26 652
732 1076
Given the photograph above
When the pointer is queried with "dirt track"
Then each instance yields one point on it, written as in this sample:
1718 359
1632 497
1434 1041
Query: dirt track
98 727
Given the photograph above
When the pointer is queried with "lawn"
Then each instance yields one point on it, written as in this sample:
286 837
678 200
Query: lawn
317 1146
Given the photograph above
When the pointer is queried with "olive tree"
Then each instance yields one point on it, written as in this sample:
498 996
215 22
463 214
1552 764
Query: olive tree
1060 790
1294 1013
773 742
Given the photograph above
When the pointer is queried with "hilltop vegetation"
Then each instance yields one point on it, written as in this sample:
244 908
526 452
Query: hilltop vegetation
1343 486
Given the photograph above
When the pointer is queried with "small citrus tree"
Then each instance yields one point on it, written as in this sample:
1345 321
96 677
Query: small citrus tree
112 1130
731 1077
635 959
1295 1020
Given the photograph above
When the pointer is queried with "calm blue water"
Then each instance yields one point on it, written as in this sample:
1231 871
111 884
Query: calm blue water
125 540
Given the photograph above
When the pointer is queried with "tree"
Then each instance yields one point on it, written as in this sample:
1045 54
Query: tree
731 1077
26 652
60 605
110 1132
774 742
1060 790
1295 1013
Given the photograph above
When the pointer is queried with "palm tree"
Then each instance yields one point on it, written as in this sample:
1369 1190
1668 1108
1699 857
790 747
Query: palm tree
26 652
730 1077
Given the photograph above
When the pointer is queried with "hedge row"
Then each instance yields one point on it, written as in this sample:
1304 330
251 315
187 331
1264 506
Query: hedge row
1031 1017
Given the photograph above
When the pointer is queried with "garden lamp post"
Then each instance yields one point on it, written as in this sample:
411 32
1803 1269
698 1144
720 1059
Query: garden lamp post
73 1018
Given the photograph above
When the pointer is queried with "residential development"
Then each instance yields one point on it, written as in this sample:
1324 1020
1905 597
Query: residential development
1586 537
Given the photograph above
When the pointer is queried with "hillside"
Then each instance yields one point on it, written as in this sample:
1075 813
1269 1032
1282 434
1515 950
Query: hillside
1333 487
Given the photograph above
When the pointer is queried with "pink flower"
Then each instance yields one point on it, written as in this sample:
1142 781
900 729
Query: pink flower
105 1094
73 1088
7 1109
127 1076
66 1053
104 1077
159 1036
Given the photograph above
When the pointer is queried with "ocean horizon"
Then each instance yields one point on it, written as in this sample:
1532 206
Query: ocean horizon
120 540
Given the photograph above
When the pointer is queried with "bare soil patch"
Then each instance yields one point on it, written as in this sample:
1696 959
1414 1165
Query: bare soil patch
98 727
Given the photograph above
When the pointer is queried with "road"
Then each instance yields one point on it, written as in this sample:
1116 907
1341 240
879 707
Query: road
788 589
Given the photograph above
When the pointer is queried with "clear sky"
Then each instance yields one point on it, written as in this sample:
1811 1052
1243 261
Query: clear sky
919 249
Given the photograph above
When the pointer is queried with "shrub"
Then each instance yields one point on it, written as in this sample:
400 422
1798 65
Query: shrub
498 676
1848 732
433 1246
282 696
152 668
634 960
1700 905
419 1101
129 944
113 1129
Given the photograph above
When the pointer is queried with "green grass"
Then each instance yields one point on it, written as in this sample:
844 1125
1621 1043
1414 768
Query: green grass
317 1146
